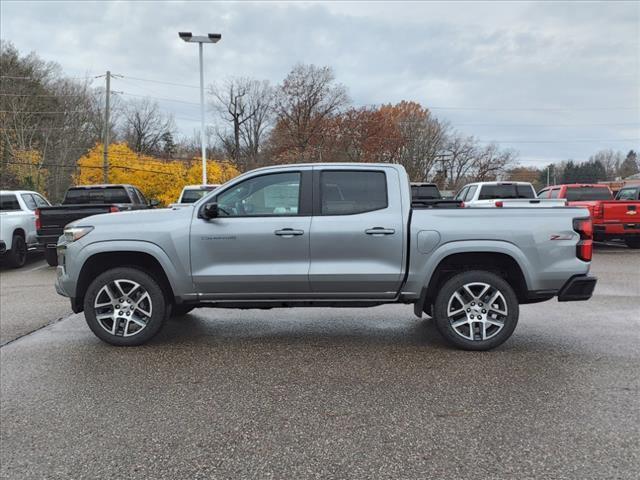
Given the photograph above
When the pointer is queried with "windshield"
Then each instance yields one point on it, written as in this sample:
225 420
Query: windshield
96 195
578 194
506 191
8 202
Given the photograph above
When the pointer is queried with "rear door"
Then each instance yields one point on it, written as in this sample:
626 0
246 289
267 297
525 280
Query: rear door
357 233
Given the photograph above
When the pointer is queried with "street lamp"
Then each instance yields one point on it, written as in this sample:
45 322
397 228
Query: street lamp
200 39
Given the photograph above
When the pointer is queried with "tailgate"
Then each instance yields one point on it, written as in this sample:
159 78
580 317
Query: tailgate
54 219
620 212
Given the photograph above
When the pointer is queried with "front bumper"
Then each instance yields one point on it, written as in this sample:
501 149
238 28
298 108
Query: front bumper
577 288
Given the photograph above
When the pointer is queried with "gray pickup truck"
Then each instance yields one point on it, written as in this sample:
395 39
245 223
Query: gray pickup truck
328 235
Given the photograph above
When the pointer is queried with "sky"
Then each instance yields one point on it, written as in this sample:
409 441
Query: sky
553 81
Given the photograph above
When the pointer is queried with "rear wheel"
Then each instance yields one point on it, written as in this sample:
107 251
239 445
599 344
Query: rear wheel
125 306
51 256
633 242
476 310
17 256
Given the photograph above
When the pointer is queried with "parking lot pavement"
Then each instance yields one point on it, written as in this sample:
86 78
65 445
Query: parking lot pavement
345 393
28 300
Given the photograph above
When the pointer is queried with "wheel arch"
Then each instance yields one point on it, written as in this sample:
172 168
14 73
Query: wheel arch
100 262
497 262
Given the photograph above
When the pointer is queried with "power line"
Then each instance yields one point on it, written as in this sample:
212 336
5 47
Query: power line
75 167
157 98
41 95
41 112
549 125
159 81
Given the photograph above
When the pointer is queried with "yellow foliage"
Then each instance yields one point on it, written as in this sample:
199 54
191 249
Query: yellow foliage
159 179
27 169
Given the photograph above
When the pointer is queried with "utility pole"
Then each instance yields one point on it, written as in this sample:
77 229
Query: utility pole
548 167
105 148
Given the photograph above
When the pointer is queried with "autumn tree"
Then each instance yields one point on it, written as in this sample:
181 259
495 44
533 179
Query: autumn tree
304 103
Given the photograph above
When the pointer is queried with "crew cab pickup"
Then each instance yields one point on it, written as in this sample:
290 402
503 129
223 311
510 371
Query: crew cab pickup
503 194
329 235
612 219
18 225
80 202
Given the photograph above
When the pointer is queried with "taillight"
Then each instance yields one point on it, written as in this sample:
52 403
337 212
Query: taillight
38 224
113 209
584 248
499 204
598 210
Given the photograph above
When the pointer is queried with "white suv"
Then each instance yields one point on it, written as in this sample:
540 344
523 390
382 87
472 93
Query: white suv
503 194
18 224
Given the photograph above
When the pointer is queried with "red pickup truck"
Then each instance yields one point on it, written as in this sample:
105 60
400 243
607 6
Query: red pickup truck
612 219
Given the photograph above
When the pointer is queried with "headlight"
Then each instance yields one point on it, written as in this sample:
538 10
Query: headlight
71 234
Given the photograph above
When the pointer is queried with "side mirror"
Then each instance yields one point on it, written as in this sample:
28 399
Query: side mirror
153 203
209 210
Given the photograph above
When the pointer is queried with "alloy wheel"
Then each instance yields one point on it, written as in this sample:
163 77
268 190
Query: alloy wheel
477 311
123 307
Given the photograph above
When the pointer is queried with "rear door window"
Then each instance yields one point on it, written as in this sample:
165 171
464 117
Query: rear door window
582 194
506 191
627 194
470 193
27 198
9 202
40 201
461 194
350 192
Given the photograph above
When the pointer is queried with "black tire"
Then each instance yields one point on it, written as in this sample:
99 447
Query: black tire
51 256
180 310
158 307
473 330
17 256
633 242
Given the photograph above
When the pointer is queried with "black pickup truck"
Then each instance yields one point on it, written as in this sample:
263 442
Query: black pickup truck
80 202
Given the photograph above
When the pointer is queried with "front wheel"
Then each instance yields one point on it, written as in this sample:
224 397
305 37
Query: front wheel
476 310
51 256
125 306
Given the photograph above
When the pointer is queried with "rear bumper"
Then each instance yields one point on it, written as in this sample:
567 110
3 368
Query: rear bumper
609 231
3 247
577 288
47 241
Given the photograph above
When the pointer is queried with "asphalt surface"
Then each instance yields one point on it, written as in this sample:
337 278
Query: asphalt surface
322 393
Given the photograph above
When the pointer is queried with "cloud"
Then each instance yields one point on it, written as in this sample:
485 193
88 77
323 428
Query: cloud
509 61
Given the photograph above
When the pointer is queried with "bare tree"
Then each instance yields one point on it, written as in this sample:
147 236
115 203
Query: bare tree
245 105
145 126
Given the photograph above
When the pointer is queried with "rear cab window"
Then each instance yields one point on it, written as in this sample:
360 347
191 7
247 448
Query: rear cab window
96 195
9 202
506 191
348 192
430 192
555 193
581 194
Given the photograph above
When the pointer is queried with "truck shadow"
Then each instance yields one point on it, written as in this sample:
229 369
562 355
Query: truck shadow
301 327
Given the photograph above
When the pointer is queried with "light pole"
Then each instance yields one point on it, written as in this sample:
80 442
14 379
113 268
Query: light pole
200 39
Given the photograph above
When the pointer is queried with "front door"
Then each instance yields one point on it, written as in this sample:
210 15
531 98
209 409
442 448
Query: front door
258 246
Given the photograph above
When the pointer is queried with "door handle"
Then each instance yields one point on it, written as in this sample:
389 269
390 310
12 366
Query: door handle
379 231
288 232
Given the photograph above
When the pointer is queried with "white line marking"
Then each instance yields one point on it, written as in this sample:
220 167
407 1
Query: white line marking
37 268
